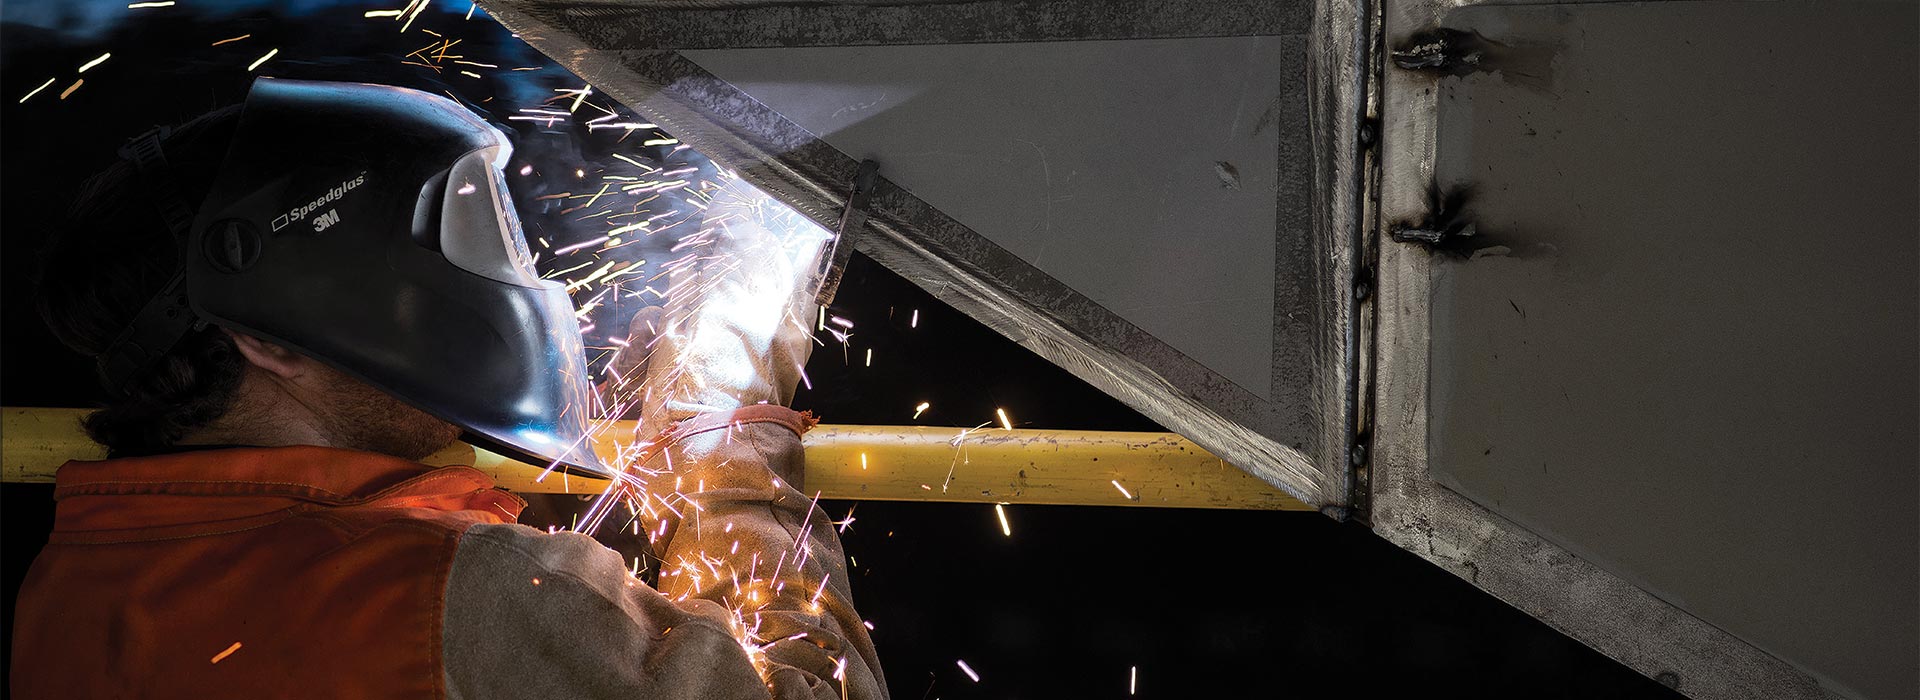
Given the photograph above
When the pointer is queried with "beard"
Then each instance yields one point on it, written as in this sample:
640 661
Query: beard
361 417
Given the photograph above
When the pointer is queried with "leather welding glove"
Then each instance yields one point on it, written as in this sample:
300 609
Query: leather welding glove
735 328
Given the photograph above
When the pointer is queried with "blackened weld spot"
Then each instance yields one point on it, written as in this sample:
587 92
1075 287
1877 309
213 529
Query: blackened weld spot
1445 51
1456 53
1448 227
1444 223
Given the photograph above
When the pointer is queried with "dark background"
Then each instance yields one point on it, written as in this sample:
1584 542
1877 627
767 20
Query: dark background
1204 603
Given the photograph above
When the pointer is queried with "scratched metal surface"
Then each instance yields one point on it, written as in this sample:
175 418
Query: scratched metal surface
1683 342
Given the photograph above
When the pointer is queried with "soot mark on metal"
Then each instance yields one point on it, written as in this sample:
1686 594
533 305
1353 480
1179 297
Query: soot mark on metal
1449 228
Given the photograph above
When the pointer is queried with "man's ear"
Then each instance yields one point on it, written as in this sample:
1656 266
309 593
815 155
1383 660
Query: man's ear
276 360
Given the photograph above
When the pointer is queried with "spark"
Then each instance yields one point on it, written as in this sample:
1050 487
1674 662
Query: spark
418 6
581 246
383 13
638 164
89 64
229 41
71 88
863 461
263 59
466 188
869 357
236 645
629 126
1133 678
659 142
570 269
915 321
922 408
868 623
841 322
1123 489
37 90
968 669
578 97
162 3
470 74
627 229
597 195
526 170
1002 512
1004 423
470 8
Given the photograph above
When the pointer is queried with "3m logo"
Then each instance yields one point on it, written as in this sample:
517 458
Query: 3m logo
320 223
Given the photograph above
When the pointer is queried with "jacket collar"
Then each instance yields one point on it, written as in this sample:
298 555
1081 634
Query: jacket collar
253 481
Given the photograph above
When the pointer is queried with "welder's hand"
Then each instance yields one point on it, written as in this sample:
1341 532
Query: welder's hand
735 330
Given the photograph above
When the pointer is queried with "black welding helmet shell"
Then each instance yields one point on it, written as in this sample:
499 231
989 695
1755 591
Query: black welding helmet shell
370 227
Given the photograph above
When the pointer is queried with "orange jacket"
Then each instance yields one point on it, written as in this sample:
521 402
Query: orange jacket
247 572
328 573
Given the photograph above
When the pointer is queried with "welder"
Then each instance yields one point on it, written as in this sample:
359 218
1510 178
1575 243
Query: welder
291 301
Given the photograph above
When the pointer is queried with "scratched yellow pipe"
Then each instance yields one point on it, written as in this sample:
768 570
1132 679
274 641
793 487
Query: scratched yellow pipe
886 463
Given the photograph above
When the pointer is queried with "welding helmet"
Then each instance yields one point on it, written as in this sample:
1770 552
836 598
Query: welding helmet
370 227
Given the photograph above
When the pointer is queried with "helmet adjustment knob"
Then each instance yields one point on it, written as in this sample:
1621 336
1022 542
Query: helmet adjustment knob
232 245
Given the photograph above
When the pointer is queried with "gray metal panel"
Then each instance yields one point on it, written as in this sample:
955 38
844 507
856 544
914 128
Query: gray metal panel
1534 574
1683 342
1297 441
1130 171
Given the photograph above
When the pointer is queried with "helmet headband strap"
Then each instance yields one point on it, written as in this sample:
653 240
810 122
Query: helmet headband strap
167 318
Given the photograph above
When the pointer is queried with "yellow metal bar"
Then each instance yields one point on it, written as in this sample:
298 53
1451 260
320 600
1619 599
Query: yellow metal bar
889 463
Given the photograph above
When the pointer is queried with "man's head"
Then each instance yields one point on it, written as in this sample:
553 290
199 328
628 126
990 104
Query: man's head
112 253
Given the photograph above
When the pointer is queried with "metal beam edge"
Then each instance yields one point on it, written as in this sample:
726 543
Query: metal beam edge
1337 90
742 24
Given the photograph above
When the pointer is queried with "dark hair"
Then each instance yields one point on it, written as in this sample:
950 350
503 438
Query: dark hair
106 258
